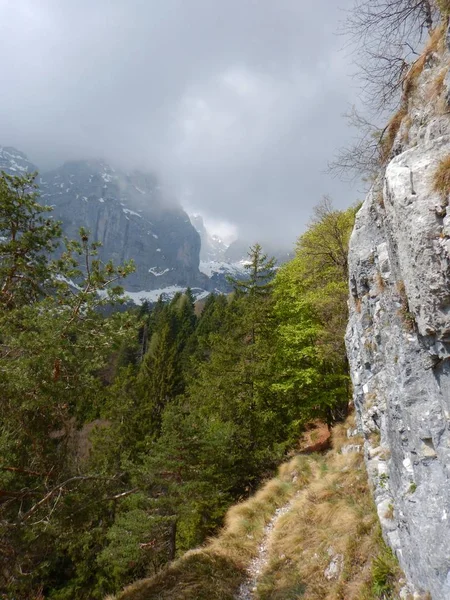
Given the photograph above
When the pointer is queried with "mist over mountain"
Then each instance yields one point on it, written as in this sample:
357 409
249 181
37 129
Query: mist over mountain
225 100
133 217
129 214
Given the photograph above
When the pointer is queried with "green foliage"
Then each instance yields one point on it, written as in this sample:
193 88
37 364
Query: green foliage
124 439
53 344
131 541
191 469
25 235
161 373
385 573
311 312
412 487
260 269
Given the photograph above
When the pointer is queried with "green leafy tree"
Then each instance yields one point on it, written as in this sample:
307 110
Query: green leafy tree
311 311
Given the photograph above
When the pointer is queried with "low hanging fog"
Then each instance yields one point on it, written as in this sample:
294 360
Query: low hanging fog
237 106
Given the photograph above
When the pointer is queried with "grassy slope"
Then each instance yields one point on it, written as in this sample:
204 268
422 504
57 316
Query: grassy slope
332 514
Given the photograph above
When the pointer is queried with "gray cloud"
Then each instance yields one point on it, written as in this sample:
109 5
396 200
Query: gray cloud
237 104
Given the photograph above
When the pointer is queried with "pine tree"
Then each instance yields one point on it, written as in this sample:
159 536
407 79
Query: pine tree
260 269
158 369
27 236
53 347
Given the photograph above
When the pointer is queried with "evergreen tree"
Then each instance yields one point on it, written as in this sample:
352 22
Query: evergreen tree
53 347
26 238
158 369
124 439
260 269
163 367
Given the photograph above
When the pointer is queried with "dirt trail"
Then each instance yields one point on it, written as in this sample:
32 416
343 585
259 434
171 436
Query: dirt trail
259 563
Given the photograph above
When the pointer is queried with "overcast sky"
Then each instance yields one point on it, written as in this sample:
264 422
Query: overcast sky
237 104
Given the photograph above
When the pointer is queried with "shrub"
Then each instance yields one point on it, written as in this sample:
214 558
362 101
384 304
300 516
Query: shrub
385 573
404 312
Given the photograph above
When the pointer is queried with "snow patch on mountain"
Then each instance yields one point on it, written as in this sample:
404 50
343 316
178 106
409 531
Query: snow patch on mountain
14 161
166 293
154 271
214 267
127 211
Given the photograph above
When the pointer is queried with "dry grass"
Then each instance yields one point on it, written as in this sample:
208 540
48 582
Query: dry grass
316 438
199 574
389 514
379 281
401 288
444 7
216 570
407 124
404 312
437 86
412 77
436 43
388 139
380 199
436 92
375 439
332 514
441 178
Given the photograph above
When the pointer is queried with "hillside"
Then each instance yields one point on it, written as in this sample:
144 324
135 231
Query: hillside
126 436
288 440
132 216
310 533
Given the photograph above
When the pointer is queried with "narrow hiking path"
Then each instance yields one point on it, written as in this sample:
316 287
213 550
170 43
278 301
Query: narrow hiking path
310 532
259 563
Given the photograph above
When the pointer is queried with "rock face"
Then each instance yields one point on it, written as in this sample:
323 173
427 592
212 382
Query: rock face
14 162
398 338
128 213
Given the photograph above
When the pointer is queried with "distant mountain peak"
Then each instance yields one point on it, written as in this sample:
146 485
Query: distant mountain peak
14 161
128 213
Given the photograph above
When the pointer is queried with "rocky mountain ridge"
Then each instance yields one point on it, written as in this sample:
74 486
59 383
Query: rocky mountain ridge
130 215
398 337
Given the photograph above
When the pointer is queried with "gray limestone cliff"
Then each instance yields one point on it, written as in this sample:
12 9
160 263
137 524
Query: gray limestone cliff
128 213
398 337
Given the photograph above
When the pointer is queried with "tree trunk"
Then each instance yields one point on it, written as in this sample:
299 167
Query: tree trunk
173 539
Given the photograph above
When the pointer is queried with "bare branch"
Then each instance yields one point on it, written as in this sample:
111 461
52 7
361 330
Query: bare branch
385 36
60 487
